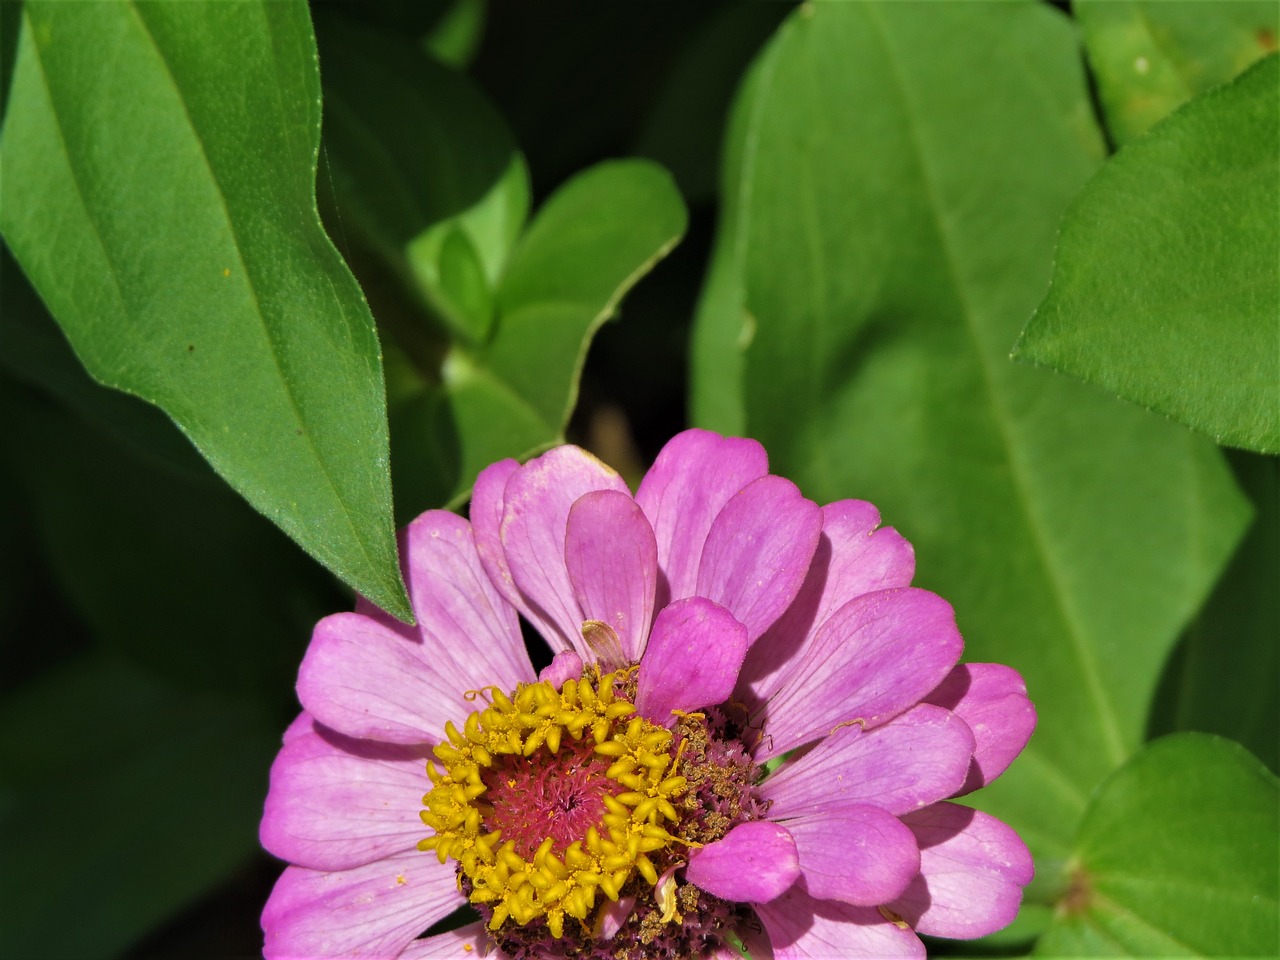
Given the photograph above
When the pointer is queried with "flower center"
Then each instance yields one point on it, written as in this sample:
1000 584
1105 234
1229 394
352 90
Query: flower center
548 797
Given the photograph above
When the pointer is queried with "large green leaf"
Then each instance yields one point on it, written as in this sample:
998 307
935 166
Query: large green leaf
590 243
1166 287
159 163
121 800
1176 856
899 184
1151 56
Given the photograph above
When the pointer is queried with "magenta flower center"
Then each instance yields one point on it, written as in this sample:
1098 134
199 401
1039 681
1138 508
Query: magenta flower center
559 796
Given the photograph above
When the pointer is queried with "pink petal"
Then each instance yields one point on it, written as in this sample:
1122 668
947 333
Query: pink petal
801 927
758 551
565 665
877 656
692 660
466 943
612 560
854 852
487 497
302 723
689 483
972 871
368 676
535 519
371 911
912 761
992 699
752 863
853 557
337 803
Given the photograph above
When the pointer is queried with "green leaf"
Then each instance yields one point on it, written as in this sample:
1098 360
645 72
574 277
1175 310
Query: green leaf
1226 671
1176 856
1151 56
590 243
1167 284
423 169
901 180
123 800
177 244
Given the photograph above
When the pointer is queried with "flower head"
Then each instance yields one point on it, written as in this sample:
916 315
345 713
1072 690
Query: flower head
749 733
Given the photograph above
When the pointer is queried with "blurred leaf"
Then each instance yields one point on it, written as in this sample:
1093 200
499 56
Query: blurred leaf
1166 287
178 245
424 170
897 204
589 244
126 800
1151 56
1226 672
456 36
1176 856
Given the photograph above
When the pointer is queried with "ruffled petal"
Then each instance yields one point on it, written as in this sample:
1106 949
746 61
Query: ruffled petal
612 559
371 911
801 927
992 699
877 656
972 871
535 519
686 488
692 661
758 551
853 558
565 665
337 803
915 760
855 852
368 676
752 863
466 943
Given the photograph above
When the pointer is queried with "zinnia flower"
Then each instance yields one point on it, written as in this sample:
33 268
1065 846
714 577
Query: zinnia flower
748 736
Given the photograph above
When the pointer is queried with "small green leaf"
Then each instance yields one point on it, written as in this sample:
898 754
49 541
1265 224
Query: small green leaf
1151 57
1176 856
423 169
177 244
1167 285
125 799
590 243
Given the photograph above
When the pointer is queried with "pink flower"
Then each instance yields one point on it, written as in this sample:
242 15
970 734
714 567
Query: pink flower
750 733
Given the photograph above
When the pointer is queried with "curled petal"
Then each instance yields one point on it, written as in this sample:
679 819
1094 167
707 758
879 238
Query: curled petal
692 660
752 863
758 551
686 488
612 561
535 521
992 700
972 871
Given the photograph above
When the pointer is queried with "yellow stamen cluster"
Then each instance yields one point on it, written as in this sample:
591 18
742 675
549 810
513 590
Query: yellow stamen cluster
536 718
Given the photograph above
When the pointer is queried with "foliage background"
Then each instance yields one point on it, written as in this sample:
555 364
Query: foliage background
838 220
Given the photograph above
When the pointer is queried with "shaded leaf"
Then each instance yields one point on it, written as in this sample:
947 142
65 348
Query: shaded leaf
589 244
1151 56
1176 856
1166 289
178 246
897 202
124 799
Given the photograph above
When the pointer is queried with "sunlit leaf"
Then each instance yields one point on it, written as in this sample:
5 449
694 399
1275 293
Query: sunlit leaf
177 244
